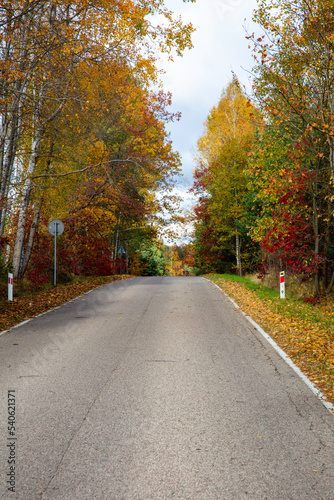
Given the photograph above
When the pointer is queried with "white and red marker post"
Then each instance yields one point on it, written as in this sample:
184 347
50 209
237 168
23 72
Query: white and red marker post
10 286
282 285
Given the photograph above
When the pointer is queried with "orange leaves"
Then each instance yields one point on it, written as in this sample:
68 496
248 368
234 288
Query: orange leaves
296 327
97 59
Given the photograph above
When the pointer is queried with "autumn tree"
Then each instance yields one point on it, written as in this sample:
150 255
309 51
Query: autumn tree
220 181
293 85
58 59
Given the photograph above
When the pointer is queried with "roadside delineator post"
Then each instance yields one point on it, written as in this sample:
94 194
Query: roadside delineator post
10 287
282 285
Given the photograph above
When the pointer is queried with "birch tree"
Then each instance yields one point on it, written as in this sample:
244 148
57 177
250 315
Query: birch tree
220 179
44 44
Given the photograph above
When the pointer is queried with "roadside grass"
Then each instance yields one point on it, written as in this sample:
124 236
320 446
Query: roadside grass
304 331
28 304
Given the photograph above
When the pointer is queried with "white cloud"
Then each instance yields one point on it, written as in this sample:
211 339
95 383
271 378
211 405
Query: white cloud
197 79
182 232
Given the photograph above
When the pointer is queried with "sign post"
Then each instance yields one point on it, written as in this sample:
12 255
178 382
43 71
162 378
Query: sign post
121 252
56 228
282 285
10 287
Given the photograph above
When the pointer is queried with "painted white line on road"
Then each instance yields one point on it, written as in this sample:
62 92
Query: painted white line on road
28 320
283 354
55 308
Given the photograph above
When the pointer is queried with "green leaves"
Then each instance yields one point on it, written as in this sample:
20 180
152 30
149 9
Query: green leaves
220 178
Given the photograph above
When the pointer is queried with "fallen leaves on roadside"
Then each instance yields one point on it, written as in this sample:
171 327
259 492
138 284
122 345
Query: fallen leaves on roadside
21 309
308 343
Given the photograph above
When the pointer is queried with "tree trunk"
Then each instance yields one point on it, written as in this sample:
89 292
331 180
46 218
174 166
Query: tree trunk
9 154
12 110
35 149
33 229
316 243
331 155
21 226
237 239
330 286
238 255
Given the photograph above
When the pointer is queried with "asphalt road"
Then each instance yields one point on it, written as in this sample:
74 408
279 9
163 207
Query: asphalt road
157 388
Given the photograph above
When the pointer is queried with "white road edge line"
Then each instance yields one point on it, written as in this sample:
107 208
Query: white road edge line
50 310
283 354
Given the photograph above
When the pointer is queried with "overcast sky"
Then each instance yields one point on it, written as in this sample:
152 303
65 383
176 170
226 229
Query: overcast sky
197 79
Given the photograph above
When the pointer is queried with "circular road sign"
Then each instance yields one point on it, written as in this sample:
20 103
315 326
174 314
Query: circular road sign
56 227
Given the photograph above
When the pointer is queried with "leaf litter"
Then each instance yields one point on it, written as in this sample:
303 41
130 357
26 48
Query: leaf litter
305 337
21 309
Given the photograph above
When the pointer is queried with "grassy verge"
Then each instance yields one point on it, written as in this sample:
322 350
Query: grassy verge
304 331
28 304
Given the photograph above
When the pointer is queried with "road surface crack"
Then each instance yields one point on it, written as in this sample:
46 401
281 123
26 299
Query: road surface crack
85 418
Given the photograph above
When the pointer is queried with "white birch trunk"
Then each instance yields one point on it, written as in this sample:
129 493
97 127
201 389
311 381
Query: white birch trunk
23 211
33 229
238 256
9 156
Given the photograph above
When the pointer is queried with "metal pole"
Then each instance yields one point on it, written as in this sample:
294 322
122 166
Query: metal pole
55 263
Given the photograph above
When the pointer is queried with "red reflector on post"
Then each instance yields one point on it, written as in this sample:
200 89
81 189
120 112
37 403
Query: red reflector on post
282 285
10 286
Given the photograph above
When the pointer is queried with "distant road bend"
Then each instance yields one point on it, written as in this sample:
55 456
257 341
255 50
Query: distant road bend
158 388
